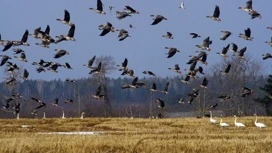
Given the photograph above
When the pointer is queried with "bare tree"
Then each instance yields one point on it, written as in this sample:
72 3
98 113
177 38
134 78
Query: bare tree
108 65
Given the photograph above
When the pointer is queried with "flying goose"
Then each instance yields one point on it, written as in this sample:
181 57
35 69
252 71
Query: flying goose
8 45
247 91
98 94
123 66
186 79
168 35
149 73
106 29
225 35
99 8
214 106
25 74
69 36
123 34
255 14
70 80
176 69
36 32
247 35
40 69
224 51
194 35
165 89
131 26
60 53
181 100
18 50
122 15
157 19
242 52
90 63
154 87
5 58
182 5
266 56
69 101
129 73
67 66
248 7
206 44
204 83
22 57
132 85
56 101
23 40
269 42
96 70
131 10
216 14
161 103
226 71
234 47
66 19
171 51
10 80
54 66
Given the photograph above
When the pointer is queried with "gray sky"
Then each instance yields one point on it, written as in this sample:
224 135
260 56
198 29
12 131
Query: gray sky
145 48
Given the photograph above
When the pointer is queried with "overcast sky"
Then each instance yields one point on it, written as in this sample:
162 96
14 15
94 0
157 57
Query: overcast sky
145 48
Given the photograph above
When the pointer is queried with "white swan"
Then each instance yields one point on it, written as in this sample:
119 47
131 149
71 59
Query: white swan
82 115
44 115
18 116
63 117
237 124
222 124
211 119
258 124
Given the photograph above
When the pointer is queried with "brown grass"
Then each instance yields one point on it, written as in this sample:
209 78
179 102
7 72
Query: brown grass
135 135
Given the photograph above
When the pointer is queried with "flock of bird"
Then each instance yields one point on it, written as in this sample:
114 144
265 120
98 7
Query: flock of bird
45 40
236 124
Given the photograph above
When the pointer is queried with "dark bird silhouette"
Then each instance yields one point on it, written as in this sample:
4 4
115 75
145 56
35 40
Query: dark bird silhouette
99 7
214 106
153 87
157 19
106 29
67 66
242 52
204 83
90 63
176 69
66 19
8 45
23 41
96 70
205 45
246 35
25 74
132 85
161 103
194 35
122 15
56 101
149 73
234 47
247 92
165 89
60 53
69 36
216 14
168 35
226 71
266 56
224 51
5 58
131 10
171 51
225 35
98 94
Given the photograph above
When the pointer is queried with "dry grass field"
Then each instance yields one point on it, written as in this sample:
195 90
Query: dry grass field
135 135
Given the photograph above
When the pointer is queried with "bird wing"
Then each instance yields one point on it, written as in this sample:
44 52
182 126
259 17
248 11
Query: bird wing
216 12
98 90
248 32
130 9
166 87
134 81
47 30
72 31
249 4
25 36
91 61
66 16
99 5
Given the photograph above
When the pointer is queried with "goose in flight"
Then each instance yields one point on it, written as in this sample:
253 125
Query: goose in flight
194 35
259 124
205 45
129 73
153 87
161 103
106 29
99 8
168 35
214 106
56 101
224 51
69 36
23 41
123 66
186 79
67 66
269 42
216 14
122 15
255 14
171 51
225 35
234 47
248 7
60 53
18 50
247 91
131 10
98 94
133 85
266 56
226 71
66 19
96 70
123 34
90 63
238 124
157 19
5 58
176 69
182 5
204 83
165 89
25 74
242 52
22 57
149 73
246 35
8 45
36 33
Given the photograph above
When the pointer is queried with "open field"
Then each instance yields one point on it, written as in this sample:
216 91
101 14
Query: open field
135 135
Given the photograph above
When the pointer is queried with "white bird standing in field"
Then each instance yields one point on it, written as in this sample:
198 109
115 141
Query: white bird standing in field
211 119
182 5
258 124
82 115
222 124
237 124
63 116
18 116
44 115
